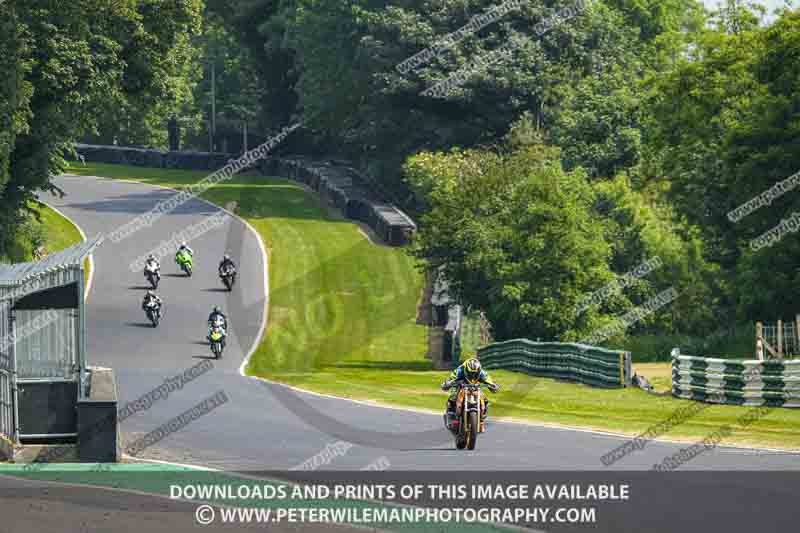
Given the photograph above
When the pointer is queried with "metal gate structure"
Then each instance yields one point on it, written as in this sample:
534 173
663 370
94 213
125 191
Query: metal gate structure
781 339
42 346
8 433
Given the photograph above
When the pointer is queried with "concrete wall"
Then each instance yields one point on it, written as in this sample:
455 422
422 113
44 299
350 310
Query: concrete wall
98 426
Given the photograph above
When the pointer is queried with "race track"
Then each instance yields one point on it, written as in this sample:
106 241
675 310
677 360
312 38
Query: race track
266 426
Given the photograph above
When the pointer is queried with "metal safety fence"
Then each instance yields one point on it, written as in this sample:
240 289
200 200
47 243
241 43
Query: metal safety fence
349 191
48 347
339 184
7 414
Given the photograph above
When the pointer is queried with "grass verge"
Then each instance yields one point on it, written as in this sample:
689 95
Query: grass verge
342 321
51 231
59 232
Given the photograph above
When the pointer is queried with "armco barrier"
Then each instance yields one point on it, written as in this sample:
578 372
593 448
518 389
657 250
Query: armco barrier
343 187
141 157
575 362
736 381
336 182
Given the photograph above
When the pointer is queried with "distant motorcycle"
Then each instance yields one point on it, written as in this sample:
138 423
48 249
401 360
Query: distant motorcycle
184 260
228 277
153 275
217 337
153 312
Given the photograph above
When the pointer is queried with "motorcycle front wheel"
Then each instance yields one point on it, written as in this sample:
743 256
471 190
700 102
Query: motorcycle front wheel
472 430
460 435
216 349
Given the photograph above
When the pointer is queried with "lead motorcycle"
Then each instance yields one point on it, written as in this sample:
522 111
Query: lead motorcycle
469 411
184 260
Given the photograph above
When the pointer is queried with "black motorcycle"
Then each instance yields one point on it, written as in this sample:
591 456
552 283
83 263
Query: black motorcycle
228 277
153 312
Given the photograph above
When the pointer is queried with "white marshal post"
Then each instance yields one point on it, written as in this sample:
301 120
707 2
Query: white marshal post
759 341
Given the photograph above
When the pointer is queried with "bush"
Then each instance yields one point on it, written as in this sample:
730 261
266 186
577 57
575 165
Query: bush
29 236
737 342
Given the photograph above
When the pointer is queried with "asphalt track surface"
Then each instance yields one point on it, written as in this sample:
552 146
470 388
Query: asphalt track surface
40 506
265 426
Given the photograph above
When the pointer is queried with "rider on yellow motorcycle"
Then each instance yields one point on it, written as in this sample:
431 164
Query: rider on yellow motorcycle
471 372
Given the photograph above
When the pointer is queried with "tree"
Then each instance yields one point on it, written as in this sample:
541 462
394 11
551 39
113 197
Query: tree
238 87
335 63
64 65
641 228
722 126
599 126
162 69
762 150
515 235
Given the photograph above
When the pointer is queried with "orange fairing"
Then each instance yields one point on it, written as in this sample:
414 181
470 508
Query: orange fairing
460 401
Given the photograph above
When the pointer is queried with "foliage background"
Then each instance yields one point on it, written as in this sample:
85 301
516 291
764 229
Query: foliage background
623 134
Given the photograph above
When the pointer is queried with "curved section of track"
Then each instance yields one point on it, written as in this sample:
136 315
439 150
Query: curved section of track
265 426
